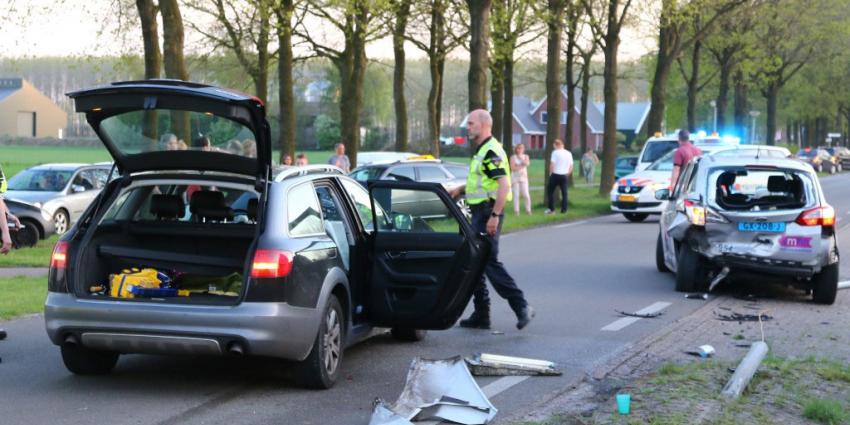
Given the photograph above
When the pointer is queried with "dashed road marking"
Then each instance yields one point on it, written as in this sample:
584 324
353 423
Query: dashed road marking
626 321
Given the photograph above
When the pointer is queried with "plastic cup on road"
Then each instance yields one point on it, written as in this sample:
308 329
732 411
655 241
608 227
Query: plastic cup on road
623 403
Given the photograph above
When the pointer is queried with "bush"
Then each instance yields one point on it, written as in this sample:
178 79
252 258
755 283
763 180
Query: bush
327 131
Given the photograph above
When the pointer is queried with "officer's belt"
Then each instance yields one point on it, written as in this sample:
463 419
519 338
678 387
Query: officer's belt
488 204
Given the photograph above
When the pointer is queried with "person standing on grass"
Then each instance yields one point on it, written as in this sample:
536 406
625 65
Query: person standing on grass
560 166
588 165
519 178
340 159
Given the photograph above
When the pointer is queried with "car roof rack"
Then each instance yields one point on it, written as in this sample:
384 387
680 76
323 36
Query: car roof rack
298 171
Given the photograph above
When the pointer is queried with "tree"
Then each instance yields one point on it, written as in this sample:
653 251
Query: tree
479 36
555 29
175 64
284 10
355 20
692 77
673 38
401 12
613 15
153 58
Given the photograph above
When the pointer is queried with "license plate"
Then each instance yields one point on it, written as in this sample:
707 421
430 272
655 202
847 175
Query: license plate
771 227
627 198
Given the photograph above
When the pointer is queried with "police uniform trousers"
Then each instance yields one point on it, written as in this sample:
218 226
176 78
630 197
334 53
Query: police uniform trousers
502 282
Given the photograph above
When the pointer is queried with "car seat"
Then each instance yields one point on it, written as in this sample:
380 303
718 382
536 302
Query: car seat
727 199
167 207
253 203
209 205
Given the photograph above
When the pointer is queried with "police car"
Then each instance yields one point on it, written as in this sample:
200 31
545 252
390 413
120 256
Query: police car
634 195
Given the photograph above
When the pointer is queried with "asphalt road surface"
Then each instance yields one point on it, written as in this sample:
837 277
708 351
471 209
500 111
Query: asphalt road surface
576 275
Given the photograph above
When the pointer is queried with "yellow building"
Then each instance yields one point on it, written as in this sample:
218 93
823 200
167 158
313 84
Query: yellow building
26 112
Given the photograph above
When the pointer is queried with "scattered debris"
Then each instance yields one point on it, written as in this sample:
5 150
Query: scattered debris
641 315
824 323
720 276
844 285
744 345
623 403
441 390
483 364
746 297
702 296
2 334
703 351
497 333
745 370
738 317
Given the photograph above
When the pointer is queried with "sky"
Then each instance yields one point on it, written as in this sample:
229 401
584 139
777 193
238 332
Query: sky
81 28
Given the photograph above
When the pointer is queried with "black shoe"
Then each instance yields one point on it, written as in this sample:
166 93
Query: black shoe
476 321
524 317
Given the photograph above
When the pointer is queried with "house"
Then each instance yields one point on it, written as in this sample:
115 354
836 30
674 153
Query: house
26 112
540 117
631 118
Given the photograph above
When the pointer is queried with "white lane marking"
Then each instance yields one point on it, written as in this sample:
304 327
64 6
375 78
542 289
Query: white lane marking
502 384
844 285
626 321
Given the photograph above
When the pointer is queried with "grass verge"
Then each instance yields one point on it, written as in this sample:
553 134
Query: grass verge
37 256
22 295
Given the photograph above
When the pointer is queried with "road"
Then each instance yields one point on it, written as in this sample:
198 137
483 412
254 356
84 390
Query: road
576 275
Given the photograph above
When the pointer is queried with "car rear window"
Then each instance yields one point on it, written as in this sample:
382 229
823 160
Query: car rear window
40 180
760 189
459 171
656 149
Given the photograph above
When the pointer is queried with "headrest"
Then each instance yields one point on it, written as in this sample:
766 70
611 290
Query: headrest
167 206
252 208
777 184
726 178
209 204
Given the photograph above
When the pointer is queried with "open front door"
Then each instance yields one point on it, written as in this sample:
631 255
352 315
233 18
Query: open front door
427 258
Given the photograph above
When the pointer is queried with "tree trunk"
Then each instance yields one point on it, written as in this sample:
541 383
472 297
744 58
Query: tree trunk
585 103
153 62
723 95
351 65
658 92
479 37
553 87
609 143
693 87
570 82
285 85
261 79
497 96
508 108
772 94
399 101
175 64
740 104
434 106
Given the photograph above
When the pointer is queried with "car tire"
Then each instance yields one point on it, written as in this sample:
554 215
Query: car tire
819 168
659 256
408 334
635 217
690 271
86 361
825 285
61 221
832 168
27 236
320 369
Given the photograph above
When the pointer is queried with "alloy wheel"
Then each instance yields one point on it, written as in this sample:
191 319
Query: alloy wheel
332 341
60 220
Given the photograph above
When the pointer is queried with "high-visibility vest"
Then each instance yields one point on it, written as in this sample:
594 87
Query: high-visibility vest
479 186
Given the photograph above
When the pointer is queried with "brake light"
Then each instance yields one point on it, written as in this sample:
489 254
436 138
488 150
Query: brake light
60 253
695 213
271 263
819 216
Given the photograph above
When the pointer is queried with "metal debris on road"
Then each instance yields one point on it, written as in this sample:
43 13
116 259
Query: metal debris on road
483 364
720 276
738 317
497 333
441 390
641 315
702 296
703 351
2 334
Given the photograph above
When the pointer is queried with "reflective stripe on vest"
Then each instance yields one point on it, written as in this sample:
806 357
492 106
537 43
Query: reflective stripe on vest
480 187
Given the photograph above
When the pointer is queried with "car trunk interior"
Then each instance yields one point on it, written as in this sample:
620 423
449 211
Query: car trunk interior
201 256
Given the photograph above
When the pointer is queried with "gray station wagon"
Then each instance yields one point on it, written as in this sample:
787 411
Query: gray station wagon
753 217
295 265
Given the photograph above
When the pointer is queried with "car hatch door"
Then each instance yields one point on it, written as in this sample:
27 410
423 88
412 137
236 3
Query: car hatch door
426 261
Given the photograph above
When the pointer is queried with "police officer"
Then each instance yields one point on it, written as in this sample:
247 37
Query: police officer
488 188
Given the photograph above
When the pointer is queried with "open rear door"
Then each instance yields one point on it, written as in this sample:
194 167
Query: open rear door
427 258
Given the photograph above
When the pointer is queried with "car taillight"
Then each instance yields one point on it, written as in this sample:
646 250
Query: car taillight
60 253
695 213
819 216
271 263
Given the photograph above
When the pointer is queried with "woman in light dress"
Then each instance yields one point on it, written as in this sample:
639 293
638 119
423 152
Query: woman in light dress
519 178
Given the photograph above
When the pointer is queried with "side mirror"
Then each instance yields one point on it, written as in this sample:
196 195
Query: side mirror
662 194
402 222
77 188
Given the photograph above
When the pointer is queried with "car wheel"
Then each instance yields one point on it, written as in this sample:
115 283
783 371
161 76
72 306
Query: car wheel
61 221
819 168
690 273
27 236
408 334
464 208
825 285
659 256
86 361
635 217
320 369
832 169
839 167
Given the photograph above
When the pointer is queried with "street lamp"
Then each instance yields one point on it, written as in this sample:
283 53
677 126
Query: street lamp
753 114
714 105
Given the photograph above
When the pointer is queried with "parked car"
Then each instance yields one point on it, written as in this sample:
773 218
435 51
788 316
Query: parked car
382 157
625 165
449 175
36 222
294 267
841 155
820 159
63 190
749 217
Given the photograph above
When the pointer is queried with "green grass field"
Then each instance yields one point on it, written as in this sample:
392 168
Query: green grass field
22 295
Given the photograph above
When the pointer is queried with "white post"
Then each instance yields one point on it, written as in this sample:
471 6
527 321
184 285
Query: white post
745 370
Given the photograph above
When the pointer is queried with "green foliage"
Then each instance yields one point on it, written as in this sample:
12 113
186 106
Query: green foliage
824 411
327 131
22 295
